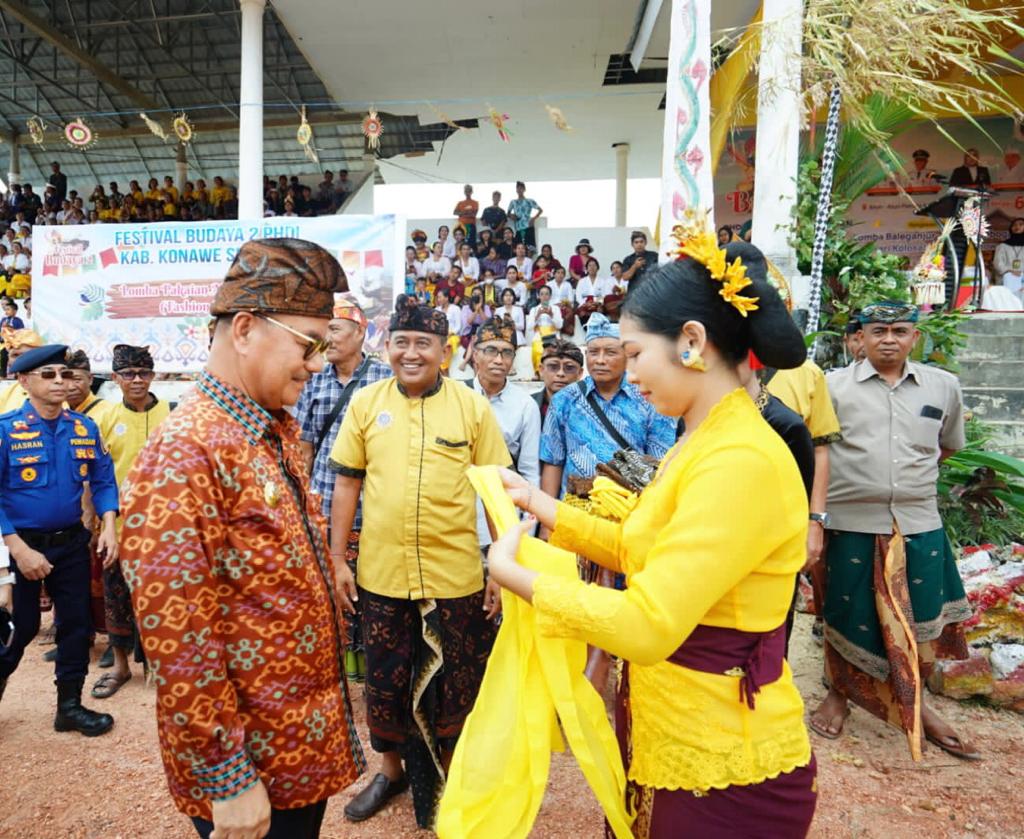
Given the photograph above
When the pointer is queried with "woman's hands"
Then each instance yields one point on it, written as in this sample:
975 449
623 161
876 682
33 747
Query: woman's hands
502 565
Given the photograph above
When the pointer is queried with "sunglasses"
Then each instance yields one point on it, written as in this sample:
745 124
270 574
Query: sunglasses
51 374
314 346
130 375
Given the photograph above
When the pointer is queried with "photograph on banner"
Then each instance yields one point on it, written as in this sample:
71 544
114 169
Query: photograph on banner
96 286
885 214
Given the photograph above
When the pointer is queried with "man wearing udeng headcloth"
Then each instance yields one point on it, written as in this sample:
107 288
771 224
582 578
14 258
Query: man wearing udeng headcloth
225 551
710 553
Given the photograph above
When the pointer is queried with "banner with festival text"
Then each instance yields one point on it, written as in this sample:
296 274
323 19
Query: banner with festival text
95 286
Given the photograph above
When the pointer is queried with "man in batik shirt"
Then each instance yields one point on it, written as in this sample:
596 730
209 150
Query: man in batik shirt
226 555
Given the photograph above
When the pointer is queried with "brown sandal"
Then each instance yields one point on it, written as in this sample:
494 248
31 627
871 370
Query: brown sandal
108 684
960 750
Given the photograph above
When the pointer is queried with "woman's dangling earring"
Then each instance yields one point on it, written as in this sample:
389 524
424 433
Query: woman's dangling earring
692 359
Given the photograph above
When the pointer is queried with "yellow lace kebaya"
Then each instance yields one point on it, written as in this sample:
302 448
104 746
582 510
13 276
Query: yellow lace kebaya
716 539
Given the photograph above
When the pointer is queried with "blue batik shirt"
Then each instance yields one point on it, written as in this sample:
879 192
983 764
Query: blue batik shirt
575 439
318 398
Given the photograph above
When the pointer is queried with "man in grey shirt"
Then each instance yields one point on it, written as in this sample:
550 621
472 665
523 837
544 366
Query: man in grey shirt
894 602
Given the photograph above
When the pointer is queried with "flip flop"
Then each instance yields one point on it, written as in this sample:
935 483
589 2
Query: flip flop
960 750
108 684
824 732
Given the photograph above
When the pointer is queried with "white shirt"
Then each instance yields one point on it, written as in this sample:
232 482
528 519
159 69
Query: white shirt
525 268
598 289
18 226
470 268
519 417
522 291
517 316
17 262
454 315
537 319
448 248
442 265
563 293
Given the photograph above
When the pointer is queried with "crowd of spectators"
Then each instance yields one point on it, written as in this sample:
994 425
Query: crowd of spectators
24 208
488 265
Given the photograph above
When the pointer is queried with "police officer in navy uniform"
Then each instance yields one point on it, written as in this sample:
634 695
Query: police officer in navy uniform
47 454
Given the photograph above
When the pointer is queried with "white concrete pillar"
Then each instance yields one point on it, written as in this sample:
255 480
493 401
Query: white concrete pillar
250 123
778 132
621 176
14 170
181 166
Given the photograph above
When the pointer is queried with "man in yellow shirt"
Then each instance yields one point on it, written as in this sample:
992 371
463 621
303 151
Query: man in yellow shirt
804 390
428 619
130 424
17 342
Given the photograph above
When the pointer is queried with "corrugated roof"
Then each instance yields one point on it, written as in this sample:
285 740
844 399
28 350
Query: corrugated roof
177 56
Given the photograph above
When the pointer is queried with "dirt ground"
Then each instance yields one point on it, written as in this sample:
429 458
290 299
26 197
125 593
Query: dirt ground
64 785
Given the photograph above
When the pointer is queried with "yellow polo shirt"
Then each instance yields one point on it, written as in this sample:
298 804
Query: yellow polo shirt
125 432
419 536
12 397
804 390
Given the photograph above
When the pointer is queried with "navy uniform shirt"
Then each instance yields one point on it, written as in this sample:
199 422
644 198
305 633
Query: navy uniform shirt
44 467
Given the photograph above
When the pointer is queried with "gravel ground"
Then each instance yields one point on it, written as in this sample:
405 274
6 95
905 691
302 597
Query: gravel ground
64 785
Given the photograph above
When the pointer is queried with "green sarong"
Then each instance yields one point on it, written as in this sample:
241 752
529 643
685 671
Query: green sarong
936 592
892 607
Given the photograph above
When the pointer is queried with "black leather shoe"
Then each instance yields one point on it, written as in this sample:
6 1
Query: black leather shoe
3 686
374 796
50 655
72 716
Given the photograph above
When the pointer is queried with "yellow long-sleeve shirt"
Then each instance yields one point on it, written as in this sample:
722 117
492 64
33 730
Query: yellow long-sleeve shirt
716 539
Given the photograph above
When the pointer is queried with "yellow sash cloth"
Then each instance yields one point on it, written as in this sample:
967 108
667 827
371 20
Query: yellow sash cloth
500 767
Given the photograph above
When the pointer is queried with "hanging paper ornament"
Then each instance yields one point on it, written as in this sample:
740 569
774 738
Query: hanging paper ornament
447 120
373 127
154 126
183 129
79 135
558 118
36 129
304 135
498 121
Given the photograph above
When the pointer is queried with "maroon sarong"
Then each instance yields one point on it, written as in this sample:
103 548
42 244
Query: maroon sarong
778 808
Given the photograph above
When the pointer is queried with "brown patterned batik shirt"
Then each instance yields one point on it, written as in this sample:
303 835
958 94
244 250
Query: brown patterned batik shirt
224 548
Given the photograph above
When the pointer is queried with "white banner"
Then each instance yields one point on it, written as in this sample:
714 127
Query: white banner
686 157
94 286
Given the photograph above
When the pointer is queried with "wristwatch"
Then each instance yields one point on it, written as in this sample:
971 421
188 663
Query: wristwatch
821 518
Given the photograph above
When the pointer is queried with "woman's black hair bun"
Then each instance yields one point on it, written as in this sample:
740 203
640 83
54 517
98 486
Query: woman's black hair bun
774 337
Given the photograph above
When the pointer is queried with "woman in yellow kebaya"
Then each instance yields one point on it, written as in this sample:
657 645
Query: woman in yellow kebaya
709 719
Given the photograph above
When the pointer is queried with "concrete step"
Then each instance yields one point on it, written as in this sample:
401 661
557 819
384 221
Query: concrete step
996 403
994 348
994 323
991 373
1008 437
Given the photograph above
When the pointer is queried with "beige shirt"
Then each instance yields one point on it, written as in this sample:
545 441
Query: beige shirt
887 463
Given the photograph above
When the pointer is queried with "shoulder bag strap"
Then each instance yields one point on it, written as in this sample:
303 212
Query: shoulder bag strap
339 406
613 432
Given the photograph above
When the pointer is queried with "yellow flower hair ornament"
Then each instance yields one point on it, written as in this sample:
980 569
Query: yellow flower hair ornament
698 241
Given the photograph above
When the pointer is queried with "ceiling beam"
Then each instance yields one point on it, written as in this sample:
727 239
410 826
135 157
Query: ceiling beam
31 21
332 118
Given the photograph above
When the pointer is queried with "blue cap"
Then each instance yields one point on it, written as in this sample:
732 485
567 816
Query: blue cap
600 327
39 357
